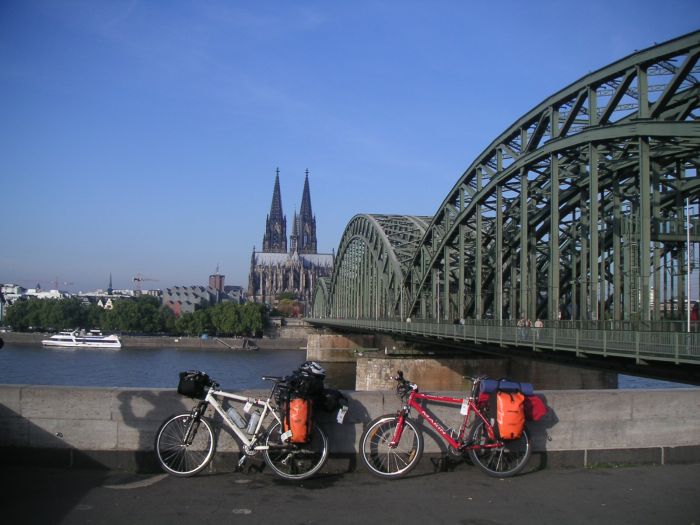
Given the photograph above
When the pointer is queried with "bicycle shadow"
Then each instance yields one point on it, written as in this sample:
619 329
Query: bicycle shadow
344 437
142 412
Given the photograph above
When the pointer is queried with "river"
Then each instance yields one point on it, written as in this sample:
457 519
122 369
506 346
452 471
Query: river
159 367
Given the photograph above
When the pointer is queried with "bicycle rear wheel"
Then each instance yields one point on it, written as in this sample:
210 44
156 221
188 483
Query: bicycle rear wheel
295 461
500 462
390 462
179 457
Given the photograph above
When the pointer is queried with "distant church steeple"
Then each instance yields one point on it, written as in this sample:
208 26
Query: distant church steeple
306 222
275 238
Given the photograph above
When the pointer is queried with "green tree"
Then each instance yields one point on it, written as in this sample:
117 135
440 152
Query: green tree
225 318
183 324
18 315
167 320
252 319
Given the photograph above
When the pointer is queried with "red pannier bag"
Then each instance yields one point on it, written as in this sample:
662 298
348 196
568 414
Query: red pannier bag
510 414
298 420
535 409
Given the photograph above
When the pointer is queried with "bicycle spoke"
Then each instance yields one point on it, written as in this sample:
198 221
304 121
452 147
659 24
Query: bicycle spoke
385 460
177 457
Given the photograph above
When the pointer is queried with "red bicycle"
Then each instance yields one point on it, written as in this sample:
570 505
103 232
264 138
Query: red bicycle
392 444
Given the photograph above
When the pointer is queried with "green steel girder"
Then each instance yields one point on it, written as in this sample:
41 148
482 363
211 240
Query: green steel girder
372 259
579 204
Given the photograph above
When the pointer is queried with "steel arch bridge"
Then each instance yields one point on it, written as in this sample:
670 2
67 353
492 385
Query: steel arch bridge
579 211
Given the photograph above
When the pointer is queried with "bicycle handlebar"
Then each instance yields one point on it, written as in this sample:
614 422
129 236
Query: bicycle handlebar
404 386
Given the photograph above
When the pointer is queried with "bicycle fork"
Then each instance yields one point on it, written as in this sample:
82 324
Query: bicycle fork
193 425
401 418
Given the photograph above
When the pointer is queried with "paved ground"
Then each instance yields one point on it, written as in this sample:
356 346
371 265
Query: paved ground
639 495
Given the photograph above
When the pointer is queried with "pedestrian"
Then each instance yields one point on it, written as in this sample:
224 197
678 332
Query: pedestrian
538 324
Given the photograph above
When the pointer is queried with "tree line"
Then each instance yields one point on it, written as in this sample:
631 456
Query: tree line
141 315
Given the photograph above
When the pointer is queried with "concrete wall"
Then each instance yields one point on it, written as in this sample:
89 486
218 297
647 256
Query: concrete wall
336 347
375 372
115 427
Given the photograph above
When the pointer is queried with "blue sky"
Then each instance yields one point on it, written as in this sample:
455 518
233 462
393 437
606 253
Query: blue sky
143 136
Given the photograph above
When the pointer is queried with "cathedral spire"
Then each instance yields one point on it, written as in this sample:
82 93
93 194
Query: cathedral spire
276 206
275 238
306 199
306 233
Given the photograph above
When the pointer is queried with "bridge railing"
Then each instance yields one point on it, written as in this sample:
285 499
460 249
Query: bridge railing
676 347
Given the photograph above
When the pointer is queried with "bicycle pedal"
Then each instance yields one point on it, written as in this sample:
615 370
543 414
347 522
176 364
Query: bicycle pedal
242 461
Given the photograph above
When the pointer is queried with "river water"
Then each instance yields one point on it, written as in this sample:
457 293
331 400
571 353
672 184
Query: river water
159 367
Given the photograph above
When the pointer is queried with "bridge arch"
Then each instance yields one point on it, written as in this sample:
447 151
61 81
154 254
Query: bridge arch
373 256
577 210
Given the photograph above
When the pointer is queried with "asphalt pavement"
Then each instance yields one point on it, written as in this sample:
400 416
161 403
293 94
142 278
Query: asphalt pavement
638 495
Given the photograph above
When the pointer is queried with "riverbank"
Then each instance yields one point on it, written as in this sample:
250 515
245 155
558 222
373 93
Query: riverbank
115 427
162 341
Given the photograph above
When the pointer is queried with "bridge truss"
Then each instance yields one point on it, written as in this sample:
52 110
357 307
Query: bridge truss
579 211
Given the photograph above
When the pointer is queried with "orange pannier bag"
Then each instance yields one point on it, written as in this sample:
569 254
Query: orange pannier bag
298 420
510 414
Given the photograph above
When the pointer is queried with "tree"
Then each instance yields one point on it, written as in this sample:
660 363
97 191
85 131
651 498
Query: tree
252 319
225 318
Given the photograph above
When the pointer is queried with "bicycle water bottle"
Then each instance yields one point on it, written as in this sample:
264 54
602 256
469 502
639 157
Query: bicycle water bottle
253 421
236 417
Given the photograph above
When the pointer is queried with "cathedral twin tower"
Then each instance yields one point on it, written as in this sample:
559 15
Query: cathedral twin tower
303 238
294 271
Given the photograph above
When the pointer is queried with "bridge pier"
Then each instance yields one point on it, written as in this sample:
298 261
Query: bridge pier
373 360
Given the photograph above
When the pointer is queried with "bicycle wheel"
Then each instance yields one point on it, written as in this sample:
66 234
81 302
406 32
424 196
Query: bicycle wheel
390 462
500 462
176 456
295 461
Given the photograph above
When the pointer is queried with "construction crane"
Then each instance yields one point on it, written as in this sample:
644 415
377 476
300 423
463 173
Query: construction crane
56 282
138 279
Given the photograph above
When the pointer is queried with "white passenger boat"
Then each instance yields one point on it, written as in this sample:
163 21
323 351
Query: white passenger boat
76 339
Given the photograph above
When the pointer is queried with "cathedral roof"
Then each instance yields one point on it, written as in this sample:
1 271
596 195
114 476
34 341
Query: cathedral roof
309 259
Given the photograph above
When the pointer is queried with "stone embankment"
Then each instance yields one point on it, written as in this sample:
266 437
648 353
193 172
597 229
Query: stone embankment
115 427
282 340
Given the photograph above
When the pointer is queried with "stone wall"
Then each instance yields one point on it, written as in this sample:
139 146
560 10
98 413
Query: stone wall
336 347
115 427
376 370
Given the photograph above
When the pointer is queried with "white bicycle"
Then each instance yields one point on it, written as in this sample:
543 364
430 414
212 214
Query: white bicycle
185 443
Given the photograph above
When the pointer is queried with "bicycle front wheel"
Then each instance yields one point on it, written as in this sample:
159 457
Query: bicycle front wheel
295 461
184 446
499 462
384 460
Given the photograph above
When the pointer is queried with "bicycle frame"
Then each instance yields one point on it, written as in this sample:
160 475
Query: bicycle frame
457 444
212 399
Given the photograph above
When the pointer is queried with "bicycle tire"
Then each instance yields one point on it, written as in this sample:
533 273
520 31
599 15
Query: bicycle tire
387 462
174 455
501 462
295 461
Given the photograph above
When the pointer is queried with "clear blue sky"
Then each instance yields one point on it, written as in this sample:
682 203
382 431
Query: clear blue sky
143 136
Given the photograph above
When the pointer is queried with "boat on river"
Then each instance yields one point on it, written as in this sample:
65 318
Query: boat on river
82 339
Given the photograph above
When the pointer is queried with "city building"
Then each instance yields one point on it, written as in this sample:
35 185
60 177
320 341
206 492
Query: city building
186 299
276 270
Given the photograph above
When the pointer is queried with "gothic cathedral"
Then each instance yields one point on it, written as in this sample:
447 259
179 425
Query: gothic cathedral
276 270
